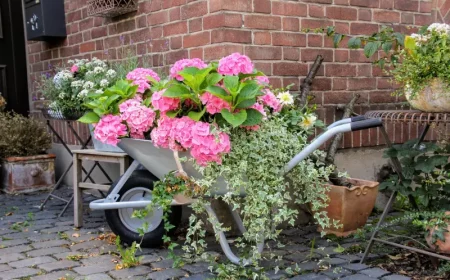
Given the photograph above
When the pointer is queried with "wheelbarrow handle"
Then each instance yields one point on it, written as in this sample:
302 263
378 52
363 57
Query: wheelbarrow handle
347 120
328 134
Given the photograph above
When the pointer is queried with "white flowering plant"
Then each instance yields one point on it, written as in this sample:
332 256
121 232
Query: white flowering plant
69 87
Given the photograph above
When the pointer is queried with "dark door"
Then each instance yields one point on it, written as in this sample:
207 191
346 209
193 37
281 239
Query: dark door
13 69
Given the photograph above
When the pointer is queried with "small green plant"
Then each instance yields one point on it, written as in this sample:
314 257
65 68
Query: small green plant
63 235
339 249
312 249
30 216
75 257
128 255
19 226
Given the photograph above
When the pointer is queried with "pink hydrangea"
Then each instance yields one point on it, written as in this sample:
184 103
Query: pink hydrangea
210 148
109 129
74 68
269 99
183 63
235 64
138 117
161 135
139 76
164 104
260 108
262 79
182 131
213 103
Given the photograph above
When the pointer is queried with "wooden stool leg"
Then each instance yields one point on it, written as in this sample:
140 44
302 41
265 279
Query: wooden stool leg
124 164
77 198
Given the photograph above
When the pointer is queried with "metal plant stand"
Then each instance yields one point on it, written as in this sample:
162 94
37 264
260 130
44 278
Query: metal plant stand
406 117
53 115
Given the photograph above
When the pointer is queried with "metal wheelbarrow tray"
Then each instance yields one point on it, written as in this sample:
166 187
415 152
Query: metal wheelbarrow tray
159 162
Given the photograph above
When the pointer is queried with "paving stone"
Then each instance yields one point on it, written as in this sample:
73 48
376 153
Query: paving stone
15 249
396 277
14 242
149 259
98 276
203 276
196 267
19 235
93 269
47 251
31 262
302 256
167 274
355 266
167 263
130 272
5 267
358 277
335 261
11 257
43 237
350 258
87 245
308 266
375 272
55 275
19 273
50 243
104 259
312 276
65 264
57 229
63 256
276 276
336 272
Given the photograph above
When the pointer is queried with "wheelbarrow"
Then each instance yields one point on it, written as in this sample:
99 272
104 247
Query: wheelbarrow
133 190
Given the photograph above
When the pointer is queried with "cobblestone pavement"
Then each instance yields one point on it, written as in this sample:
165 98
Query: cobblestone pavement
38 245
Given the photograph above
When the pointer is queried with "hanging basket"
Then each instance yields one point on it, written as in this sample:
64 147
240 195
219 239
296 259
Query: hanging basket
111 8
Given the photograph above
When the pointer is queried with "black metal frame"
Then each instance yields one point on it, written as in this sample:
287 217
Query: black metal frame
84 144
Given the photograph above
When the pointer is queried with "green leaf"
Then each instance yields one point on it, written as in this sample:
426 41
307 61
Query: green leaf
196 116
249 91
400 38
172 114
147 101
218 91
99 111
213 78
235 119
177 91
354 43
386 46
371 48
410 44
231 82
428 164
337 38
254 117
246 103
89 117
111 99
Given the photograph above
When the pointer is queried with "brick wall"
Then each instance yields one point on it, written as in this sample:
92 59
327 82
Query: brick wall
268 31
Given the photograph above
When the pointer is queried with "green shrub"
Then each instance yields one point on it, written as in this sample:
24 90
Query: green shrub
22 136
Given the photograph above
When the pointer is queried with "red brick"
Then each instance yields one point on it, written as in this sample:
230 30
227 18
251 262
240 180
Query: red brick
315 40
364 70
196 9
156 18
141 21
387 4
386 16
361 83
381 97
385 83
160 45
288 39
87 47
86 24
342 97
407 18
99 32
125 26
311 54
87 35
365 3
231 36
316 23
289 69
291 54
358 56
175 14
342 27
406 5
263 53
286 8
445 7
99 45
321 84
291 24
365 14
75 39
172 57
175 28
262 6
319 1
264 67
262 22
340 70
339 83
342 13
172 3
46 55
216 52
262 38
316 11
363 28
222 20
196 53
176 42
230 5
422 19
156 32
73 16
195 25
425 7
197 39
341 55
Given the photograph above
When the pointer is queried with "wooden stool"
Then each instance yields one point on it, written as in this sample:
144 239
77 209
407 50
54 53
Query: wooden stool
91 155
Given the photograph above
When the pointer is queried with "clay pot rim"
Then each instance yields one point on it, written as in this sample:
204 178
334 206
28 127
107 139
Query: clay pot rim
28 158
364 184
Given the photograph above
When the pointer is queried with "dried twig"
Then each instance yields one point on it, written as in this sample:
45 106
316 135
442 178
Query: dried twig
305 87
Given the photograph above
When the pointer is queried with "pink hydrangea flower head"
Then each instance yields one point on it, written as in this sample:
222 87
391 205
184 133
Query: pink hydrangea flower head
182 131
161 135
262 80
183 63
139 76
164 104
138 117
109 129
210 148
213 103
269 99
74 68
235 64
260 108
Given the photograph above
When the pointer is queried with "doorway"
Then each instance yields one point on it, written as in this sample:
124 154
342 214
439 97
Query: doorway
13 64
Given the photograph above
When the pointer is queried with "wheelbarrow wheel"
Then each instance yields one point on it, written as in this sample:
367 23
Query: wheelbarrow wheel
139 187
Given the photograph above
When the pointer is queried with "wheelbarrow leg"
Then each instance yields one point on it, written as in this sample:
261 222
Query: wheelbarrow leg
224 242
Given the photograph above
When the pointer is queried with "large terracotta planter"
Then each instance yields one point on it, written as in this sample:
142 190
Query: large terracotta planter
439 245
433 98
27 174
351 206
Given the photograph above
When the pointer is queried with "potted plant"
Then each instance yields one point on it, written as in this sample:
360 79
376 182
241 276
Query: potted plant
25 165
223 120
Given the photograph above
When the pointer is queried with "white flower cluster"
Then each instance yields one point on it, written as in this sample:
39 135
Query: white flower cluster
442 28
111 74
83 93
76 84
285 98
88 85
420 39
62 77
104 83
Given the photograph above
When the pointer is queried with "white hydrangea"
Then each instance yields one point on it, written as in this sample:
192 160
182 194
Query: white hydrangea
285 98
104 83
62 95
89 73
61 77
441 28
98 70
88 85
83 93
99 91
111 73
71 61
420 39
76 84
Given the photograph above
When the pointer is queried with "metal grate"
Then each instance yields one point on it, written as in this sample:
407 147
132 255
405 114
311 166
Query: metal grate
111 8
409 116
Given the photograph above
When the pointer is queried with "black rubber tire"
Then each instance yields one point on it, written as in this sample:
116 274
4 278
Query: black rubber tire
140 178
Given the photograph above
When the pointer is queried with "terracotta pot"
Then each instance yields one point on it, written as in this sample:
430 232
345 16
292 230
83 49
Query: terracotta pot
439 245
433 98
351 206
27 174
